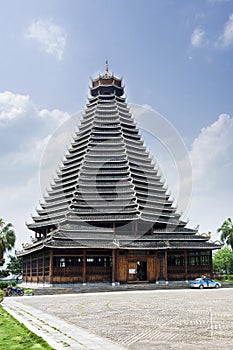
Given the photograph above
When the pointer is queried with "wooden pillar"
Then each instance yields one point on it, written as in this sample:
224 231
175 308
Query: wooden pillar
37 268
84 266
114 256
51 267
31 268
160 259
113 265
186 265
43 262
165 266
211 264
25 261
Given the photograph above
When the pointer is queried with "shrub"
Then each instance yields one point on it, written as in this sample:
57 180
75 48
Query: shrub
1 295
218 277
230 277
223 277
3 284
28 291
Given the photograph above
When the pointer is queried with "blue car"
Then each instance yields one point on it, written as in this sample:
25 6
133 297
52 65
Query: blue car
204 283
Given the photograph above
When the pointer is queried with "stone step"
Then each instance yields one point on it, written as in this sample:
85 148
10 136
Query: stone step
106 288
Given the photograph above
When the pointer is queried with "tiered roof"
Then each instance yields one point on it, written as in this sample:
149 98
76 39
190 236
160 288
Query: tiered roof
108 181
107 175
81 236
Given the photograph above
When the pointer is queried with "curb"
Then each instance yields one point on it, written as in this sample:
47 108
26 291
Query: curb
57 333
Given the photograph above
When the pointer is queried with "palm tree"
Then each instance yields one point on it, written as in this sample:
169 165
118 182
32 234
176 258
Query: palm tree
227 232
7 238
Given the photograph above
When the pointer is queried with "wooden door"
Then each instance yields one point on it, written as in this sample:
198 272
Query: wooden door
132 271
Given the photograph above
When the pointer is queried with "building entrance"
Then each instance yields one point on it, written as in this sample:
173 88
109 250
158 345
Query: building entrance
137 271
142 270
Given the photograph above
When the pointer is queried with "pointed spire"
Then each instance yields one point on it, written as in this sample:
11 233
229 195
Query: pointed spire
106 66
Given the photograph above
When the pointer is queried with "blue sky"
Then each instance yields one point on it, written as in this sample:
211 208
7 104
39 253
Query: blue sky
175 56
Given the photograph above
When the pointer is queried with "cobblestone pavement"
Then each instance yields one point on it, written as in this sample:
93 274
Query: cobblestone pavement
146 320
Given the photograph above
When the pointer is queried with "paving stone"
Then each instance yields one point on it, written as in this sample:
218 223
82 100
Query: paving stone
144 320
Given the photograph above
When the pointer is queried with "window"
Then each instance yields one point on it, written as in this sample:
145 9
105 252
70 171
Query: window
176 260
99 261
199 258
62 262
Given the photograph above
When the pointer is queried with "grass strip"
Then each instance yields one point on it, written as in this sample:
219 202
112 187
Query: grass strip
15 336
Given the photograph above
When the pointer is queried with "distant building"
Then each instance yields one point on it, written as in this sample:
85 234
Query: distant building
107 216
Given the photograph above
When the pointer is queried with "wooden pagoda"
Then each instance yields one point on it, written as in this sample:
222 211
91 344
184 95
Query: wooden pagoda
107 216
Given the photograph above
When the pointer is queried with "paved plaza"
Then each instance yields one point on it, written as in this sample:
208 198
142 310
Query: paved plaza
139 320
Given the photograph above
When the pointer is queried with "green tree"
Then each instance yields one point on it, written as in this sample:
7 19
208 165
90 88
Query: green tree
7 238
15 265
223 261
226 231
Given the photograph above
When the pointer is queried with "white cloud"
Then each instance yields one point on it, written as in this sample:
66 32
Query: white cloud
50 37
59 116
16 106
24 133
226 39
212 164
198 37
212 149
12 106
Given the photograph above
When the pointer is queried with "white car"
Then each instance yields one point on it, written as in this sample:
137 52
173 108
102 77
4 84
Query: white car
204 283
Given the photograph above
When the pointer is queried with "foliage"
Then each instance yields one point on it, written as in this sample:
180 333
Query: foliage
15 265
28 291
224 278
16 336
7 238
223 261
1 295
3 284
226 231
3 273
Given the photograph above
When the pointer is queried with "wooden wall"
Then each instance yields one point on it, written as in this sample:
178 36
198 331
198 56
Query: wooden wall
127 262
85 266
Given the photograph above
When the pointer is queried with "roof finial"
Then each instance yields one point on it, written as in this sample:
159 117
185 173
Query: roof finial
106 66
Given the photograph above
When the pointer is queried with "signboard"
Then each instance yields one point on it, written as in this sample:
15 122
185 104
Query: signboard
132 271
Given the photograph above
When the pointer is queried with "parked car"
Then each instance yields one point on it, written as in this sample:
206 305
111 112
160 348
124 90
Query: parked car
204 283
